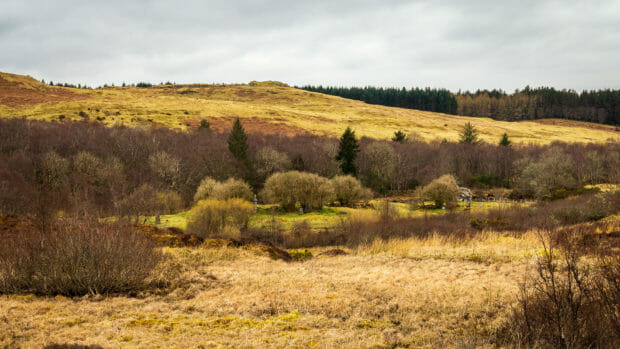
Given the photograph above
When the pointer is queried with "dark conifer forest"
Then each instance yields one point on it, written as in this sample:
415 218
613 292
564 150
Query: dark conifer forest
600 106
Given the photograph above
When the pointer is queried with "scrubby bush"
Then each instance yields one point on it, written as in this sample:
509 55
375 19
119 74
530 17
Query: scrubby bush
378 166
166 168
300 255
570 302
548 177
231 188
442 191
76 257
291 188
169 202
279 188
269 161
213 218
361 230
548 215
52 181
348 190
204 124
205 189
88 166
141 202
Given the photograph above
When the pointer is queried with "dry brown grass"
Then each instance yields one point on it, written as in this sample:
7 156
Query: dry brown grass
421 293
20 91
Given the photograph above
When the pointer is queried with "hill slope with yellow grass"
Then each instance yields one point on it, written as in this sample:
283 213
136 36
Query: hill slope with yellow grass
267 107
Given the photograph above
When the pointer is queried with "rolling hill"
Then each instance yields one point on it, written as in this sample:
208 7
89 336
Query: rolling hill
267 107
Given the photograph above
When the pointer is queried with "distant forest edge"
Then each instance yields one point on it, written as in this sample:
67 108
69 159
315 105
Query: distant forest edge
602 106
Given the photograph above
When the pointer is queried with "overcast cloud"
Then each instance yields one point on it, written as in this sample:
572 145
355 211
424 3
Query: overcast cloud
451 44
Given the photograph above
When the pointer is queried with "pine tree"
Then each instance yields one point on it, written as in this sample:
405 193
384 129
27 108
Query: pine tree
399 136
469 135
505 141
347 151
238 142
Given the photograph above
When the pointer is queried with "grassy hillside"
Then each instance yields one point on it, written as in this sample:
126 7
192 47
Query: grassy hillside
268 107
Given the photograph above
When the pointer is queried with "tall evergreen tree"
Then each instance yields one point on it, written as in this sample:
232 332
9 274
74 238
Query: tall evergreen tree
204 124
505 141
469 135
399 136
238 142
347 151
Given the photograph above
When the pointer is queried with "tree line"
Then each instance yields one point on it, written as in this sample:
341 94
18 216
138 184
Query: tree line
86 167
600 106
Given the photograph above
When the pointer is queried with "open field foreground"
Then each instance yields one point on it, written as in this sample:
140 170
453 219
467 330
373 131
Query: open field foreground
434 292
267 107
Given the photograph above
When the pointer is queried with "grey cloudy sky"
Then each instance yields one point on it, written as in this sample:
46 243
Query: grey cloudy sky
452 44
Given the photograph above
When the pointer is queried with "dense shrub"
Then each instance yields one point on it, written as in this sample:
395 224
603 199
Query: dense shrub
205 189
386 224
442 191
214 218
571 302
166 168
76 257
353 231
548 215
52 182
348 190
269 161
141 202
169 202
300 255
231 188
356 231
547 177
293 188
378 166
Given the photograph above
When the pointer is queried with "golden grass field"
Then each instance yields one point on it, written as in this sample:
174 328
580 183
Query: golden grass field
268 107
434 292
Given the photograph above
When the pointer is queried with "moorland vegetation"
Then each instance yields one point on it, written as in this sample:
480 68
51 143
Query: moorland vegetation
399 262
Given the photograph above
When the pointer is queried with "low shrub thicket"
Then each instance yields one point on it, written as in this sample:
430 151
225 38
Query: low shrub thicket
169 202
310 191
300 255
231 188
354 230
348 190
292 188
547 215
442 191
76 257
219 218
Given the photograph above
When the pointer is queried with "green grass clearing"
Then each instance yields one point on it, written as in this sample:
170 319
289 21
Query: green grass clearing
328 217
